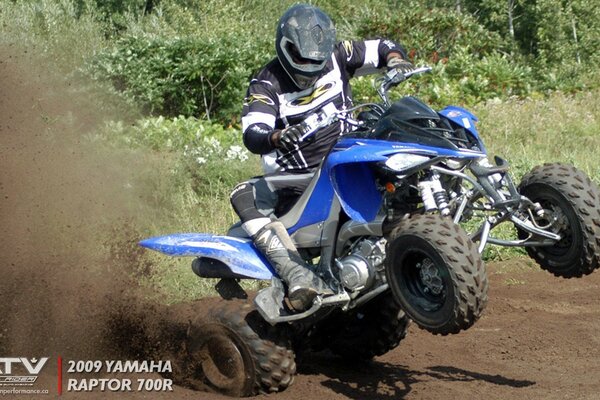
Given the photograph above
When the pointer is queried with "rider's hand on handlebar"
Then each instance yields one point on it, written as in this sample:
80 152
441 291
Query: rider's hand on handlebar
289 137
403 66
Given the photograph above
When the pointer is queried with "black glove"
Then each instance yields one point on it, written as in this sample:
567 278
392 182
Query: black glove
401 65
289 137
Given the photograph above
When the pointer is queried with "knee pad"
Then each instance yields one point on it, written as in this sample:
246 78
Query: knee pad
242 200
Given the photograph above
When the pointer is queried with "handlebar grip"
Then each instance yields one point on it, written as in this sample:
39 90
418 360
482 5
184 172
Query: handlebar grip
394 77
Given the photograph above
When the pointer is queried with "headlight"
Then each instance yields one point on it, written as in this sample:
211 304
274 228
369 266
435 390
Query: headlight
401 161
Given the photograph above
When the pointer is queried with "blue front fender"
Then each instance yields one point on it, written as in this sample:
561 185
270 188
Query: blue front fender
464 118
238 254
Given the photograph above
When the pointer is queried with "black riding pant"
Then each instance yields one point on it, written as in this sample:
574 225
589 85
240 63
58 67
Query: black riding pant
269 195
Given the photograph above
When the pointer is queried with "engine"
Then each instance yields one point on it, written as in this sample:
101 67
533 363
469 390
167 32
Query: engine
359 269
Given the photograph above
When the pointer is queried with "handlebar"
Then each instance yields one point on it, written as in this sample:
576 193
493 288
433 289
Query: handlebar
329 113
394 77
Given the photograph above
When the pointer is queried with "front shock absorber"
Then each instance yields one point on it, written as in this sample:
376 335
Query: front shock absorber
434 195
426 192
440 195
441 199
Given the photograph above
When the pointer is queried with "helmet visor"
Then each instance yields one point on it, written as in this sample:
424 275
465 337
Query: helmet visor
300 62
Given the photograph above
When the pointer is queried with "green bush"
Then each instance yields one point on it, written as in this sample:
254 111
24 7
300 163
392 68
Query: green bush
188 135
471 64
115 14
432 34
200 77
182 59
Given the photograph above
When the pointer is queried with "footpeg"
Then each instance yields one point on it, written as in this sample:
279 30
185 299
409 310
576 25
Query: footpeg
270 304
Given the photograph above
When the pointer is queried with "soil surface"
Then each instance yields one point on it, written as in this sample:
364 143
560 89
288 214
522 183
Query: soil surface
64 292
538 339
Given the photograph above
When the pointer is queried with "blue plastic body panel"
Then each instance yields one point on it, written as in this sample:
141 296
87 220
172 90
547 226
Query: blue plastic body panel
348 167
355 185
239 254
318 206
347 173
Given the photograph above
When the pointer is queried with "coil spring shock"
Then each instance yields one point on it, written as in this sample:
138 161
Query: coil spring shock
443 201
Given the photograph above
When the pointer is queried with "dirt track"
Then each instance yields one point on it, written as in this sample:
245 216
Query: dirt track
539 337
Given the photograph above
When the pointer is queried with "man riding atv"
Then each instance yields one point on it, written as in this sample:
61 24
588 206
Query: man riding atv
310 70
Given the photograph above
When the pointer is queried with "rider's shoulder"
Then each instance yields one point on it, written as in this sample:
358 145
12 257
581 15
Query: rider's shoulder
272 77
268 74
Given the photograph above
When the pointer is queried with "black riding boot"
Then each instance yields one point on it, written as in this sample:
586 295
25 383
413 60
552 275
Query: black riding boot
303 284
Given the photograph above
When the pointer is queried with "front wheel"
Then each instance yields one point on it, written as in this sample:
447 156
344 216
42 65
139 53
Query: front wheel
572 204
436 274
235 352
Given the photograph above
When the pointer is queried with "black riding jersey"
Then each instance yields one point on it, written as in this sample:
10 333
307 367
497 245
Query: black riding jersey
274 102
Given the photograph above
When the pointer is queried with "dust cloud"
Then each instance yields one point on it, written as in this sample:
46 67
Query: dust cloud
70 208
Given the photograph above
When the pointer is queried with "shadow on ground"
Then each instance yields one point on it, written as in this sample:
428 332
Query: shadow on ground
381 380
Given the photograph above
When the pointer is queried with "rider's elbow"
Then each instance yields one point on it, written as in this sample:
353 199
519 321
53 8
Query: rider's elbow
257 139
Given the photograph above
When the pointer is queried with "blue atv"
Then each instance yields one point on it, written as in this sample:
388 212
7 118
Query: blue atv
382 223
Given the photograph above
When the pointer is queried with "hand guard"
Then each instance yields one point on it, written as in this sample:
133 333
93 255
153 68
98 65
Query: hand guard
290 137
401 65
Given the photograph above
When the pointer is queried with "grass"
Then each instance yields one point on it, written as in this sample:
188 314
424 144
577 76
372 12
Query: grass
48 30
560 128
514 282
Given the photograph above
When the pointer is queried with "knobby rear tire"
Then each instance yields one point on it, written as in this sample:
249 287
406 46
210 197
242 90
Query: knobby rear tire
235 352
564 187
370 330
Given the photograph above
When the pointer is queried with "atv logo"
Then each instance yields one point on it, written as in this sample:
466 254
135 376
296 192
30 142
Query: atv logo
33 367
318 92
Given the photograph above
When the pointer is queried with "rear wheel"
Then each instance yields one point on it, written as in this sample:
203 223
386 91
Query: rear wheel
572 209
235 352
436 274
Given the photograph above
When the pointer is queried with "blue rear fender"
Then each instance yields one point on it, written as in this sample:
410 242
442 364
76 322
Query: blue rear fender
238 254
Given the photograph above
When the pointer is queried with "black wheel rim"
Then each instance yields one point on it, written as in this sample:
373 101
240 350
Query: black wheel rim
223 364
423 281
565 223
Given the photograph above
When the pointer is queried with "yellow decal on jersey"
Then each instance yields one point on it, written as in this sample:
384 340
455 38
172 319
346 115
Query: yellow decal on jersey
318 92
258 97
349 49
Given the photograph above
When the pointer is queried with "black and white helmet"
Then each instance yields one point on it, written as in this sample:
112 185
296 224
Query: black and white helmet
304 42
